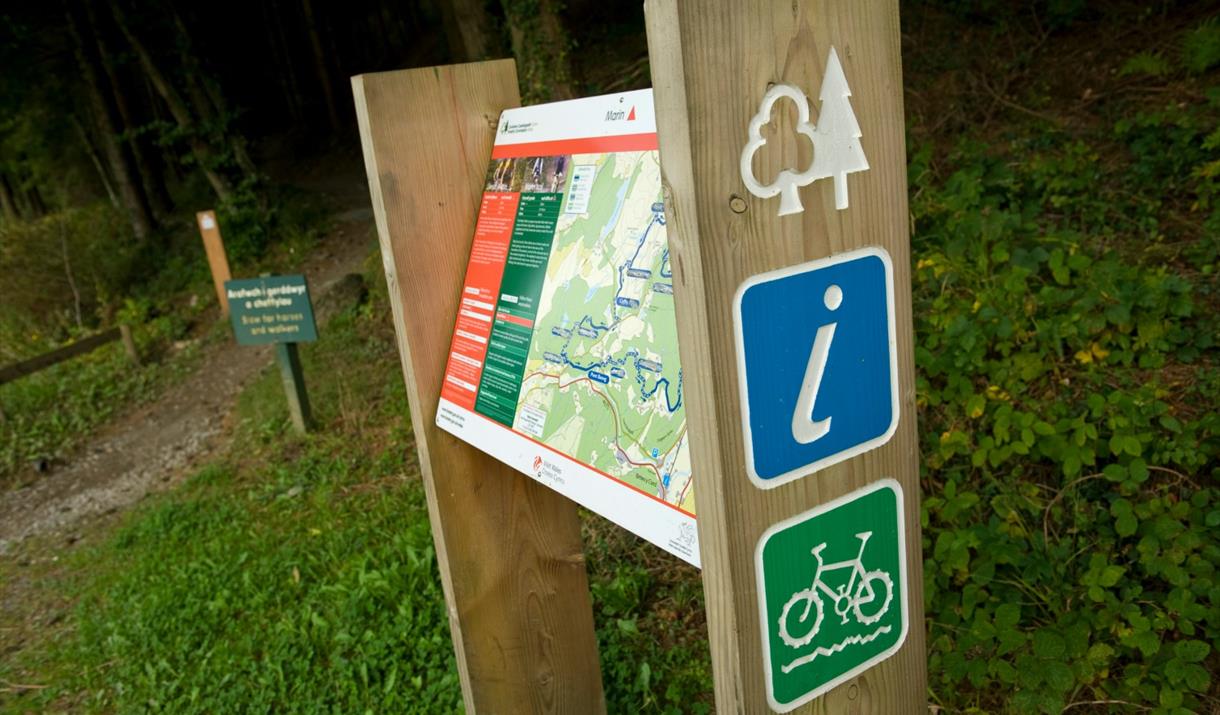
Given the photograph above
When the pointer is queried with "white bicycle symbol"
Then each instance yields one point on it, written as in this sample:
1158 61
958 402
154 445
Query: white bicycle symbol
860 591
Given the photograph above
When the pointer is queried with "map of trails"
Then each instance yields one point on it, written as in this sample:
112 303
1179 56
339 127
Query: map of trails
564 360
602 380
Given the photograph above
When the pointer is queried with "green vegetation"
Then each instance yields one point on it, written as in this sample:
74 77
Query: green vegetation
294 572
165 293
297 574
1068 338
47 415
1066 276
651 626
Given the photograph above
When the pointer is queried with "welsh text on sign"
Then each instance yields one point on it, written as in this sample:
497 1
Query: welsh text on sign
271 309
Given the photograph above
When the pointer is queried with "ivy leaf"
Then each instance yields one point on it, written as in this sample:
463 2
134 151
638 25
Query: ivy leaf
975 406
1058 675
1100 653
1175 670
1147 642
1111 574
1197 678
1170 697
1007 616
1125 522
1049 645
1191 651
1003 670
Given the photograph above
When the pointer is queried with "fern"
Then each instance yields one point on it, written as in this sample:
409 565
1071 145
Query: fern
1145 63
1201 47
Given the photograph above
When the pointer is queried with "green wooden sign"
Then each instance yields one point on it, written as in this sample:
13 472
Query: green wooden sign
832 593
271 309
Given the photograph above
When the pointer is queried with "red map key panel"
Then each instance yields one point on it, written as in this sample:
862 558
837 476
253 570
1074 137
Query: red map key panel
483 274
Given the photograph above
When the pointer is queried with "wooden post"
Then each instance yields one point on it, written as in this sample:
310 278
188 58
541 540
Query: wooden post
712 62
291 375
11 372
209 228
129 344
509 549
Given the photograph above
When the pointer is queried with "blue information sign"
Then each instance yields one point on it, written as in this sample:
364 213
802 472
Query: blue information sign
817 364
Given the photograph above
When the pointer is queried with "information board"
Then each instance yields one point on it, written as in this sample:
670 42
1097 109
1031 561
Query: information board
271 309
564 359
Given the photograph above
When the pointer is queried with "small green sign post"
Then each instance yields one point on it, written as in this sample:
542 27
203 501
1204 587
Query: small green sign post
832 593
276 309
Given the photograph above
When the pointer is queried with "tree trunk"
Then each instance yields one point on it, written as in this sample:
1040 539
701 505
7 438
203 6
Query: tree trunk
209 99
236 141
204 156
287 74
474 28
121 165
453 33
319 57
540 44
294 98
151 177
97 160
63 248
171 163
7 205
33 198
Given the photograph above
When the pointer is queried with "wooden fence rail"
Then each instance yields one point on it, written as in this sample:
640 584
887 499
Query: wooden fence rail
16 370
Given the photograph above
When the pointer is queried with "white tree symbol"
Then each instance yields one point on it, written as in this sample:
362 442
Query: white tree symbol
836 141
836 146
788 181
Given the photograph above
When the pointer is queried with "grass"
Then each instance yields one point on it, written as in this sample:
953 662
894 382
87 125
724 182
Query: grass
297 574
48 414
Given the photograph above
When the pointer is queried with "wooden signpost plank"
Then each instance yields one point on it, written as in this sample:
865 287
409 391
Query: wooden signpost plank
712 64
509 549
218 262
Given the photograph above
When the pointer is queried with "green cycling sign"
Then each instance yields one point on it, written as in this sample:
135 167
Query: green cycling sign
832 593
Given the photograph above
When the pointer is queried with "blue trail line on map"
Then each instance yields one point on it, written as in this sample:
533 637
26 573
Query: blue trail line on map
645 393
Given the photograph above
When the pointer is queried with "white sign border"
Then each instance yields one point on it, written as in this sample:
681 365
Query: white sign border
887 482
743 388
658 522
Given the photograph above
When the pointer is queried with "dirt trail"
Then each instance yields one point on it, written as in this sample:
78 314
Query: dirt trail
148 449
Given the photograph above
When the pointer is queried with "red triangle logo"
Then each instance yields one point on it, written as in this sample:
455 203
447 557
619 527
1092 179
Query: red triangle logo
631 115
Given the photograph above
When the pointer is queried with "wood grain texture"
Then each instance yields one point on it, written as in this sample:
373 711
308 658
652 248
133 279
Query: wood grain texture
129 344
12 371
712 61
509 549
214 246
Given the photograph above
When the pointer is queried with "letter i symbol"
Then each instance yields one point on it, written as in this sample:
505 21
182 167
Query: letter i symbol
804 428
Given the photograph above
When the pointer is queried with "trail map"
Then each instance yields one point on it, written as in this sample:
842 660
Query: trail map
564 361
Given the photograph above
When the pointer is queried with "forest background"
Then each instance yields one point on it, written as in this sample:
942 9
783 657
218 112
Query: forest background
1063 160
